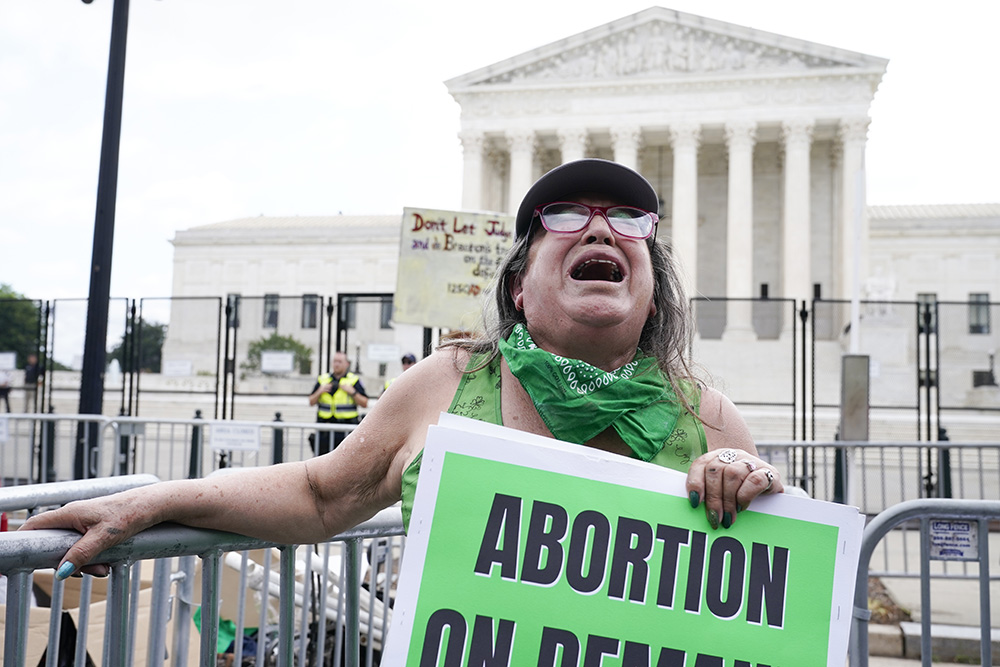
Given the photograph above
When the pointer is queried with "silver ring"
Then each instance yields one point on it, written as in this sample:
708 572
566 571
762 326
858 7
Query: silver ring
770 479
751 466
728 455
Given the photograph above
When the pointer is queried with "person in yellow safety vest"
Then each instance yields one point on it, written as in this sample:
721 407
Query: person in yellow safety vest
408 360
338 396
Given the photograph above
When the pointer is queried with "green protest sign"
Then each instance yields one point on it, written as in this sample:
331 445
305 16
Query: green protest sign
524 553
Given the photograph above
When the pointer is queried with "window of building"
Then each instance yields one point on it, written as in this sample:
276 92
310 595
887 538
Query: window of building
979 313
385 318
270 311
233 308
349 317
927 303
310 311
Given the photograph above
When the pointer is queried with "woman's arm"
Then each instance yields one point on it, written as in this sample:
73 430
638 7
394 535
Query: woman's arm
294 503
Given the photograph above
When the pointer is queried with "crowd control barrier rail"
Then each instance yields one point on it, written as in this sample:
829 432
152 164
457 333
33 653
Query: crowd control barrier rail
50 447
302 585
874 476
974 517
35 496
877 476
869 475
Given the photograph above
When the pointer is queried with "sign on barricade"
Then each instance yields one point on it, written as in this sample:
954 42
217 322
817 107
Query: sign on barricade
954 539
526 551
230 436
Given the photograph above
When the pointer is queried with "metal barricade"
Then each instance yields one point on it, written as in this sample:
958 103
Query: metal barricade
875 476
360 615
46 448
981 512
35 496
37 447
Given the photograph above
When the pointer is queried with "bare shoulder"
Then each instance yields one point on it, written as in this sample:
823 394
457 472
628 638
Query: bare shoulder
401 416
363 475
435 375
724 425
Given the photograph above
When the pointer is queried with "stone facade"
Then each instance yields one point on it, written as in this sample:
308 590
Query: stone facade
755 143
280 267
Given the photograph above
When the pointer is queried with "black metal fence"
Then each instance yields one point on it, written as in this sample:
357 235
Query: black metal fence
932 364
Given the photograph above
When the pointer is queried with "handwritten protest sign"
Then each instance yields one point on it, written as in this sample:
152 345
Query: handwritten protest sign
446 260
526 551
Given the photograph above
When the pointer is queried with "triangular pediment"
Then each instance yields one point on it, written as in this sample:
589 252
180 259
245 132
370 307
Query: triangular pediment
662 43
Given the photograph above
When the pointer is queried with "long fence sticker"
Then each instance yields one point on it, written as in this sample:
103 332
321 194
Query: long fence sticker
526 551
446 260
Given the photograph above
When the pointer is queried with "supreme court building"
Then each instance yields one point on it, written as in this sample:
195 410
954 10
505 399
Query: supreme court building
754 141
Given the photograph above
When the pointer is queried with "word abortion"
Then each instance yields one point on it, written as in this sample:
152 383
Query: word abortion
544 561
661 567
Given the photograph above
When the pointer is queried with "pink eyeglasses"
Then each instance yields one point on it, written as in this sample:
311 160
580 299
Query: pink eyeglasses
563 217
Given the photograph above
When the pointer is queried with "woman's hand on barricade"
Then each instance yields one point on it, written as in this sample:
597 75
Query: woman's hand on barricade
101 522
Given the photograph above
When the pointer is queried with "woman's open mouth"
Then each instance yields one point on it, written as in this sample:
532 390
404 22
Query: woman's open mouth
598 269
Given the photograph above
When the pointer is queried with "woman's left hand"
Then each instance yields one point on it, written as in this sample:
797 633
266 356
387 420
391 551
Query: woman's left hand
726 480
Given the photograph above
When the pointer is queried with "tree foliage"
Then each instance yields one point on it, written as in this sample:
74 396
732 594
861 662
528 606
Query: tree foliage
150 348
20 326
302 354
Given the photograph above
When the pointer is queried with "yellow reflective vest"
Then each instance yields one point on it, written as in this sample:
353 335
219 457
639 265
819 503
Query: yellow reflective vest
339 404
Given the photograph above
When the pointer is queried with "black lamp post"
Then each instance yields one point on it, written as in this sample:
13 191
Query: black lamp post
95 343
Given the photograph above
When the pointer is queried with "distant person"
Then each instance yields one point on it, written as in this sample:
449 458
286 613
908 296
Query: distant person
33 373
5 388
338 396
408 360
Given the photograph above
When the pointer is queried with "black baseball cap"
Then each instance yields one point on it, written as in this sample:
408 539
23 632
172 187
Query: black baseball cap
622 184
408 358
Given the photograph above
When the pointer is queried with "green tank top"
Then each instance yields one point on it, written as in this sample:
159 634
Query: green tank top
478 397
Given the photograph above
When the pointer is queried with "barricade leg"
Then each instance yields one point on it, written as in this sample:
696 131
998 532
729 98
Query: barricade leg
352 596
286 603
211 577
116 628
185 596
158 617
16 623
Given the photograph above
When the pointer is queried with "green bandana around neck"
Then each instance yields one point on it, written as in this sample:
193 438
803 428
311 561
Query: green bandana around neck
578 401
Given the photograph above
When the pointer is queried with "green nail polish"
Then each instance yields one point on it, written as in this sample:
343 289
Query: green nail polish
65 570
694 498
713 519
727 519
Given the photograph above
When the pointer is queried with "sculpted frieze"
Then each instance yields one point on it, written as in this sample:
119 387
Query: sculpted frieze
649 96
660 48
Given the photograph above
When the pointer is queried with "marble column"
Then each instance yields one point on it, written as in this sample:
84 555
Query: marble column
625 141
685 138
521 144
853 231
740 139
796 264
472 170
573 143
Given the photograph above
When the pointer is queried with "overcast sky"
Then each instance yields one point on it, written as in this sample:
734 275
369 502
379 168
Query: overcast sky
238 108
